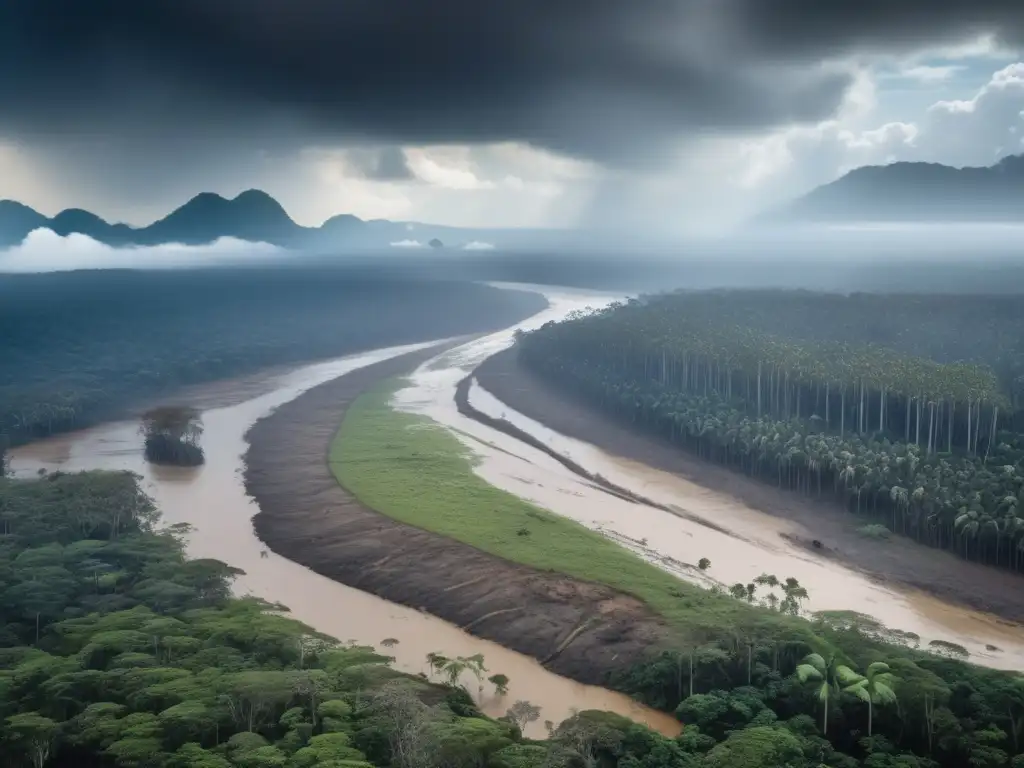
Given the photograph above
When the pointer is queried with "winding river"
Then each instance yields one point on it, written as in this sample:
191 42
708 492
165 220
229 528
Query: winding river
677 541
213 500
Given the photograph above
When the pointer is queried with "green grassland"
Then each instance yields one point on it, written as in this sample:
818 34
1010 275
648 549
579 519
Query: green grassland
415 471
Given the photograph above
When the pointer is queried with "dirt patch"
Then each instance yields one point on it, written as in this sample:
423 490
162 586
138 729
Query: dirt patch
580 630
897 560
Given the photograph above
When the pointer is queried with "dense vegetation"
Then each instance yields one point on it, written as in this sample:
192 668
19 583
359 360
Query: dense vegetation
756 685
908 409
172 435
79 346
115 650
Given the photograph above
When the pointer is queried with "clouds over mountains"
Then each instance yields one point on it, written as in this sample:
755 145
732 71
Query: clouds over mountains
135 95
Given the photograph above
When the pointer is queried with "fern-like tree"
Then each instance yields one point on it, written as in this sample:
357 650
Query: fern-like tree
875 687
830 678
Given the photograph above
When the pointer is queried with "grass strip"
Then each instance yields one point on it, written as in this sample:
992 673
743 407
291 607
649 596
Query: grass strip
417 472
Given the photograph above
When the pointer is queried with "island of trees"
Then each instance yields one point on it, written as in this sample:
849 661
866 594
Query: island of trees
905 409
172 435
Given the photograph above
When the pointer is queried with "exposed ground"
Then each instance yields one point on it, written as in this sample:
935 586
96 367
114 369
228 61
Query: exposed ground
897 560
582 630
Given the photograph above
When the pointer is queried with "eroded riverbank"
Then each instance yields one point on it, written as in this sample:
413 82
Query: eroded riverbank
902 570
580 630
213 501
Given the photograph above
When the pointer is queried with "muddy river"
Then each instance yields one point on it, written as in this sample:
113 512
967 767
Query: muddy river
677 541
213 500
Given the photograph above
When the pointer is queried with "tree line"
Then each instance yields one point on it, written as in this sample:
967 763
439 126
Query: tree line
926 447
77 347
117 650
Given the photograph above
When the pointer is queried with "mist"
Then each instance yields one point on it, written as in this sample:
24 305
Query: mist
45 251
886 257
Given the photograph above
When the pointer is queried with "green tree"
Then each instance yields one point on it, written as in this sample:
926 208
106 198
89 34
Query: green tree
756 747
34 734
875 687
500 683
829 677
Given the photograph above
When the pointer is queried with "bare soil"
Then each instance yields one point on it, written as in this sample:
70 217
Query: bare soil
896 561
584 631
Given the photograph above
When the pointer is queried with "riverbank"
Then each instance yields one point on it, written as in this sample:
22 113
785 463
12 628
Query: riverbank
896 561
59 374
581 630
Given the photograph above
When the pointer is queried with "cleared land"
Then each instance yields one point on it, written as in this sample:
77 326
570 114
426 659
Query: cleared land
583 630
895 560
418 473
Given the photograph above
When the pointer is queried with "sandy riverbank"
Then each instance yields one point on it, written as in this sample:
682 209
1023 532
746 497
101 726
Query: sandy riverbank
895 562
306 516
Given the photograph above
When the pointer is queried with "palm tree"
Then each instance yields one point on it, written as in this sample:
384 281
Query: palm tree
436 662
875 687
830 674
740 382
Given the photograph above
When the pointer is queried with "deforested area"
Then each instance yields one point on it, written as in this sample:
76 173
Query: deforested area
77 347
905 409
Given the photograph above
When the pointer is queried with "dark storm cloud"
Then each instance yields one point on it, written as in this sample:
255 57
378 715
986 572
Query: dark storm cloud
606 79
388 164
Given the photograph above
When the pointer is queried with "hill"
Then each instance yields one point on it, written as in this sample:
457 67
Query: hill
255 216
924 192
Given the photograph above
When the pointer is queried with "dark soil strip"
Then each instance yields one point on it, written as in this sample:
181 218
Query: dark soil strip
898 560
510 429
306 516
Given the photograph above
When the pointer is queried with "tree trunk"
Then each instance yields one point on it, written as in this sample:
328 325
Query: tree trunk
691 673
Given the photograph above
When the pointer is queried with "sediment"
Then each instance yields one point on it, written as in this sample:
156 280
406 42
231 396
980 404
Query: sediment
897 561
585 631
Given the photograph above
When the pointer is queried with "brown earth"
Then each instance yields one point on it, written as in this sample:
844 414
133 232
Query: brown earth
581 630
898 560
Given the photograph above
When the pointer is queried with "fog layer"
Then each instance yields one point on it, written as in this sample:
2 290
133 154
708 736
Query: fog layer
45 251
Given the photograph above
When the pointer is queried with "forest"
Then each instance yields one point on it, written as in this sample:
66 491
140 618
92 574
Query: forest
78 347
118 650
906 409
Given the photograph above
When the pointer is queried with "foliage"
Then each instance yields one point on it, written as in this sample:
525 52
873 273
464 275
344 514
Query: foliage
795 389
81 346
116 650
734 665
172 435
410 469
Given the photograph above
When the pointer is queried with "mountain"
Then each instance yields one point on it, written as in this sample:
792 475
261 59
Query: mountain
17 220
253 215
909 192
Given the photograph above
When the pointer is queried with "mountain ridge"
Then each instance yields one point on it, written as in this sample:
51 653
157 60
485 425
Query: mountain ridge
912 191
251 215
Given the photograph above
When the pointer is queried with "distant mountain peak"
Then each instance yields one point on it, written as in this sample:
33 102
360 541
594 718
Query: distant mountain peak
913 191
252 215
254 195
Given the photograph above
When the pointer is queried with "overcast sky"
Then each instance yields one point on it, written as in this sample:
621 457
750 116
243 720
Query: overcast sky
672 115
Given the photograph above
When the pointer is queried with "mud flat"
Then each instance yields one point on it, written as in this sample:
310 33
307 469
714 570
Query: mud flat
896 562
581 630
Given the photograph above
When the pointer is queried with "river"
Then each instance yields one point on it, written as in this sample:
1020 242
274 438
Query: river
677 541
212 499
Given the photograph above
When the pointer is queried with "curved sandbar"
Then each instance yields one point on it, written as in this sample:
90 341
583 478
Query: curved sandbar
896 561
578 629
